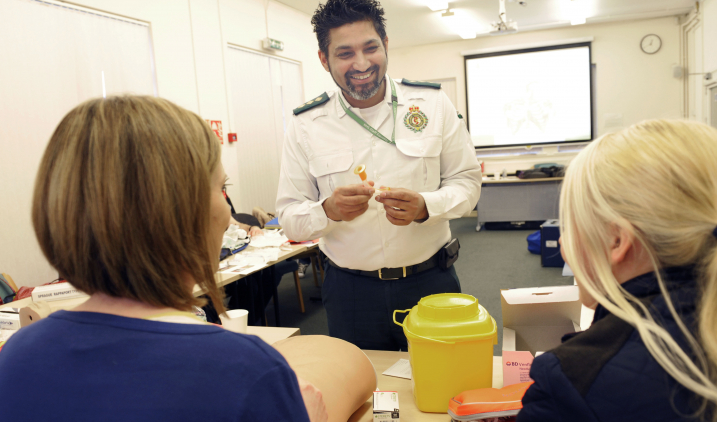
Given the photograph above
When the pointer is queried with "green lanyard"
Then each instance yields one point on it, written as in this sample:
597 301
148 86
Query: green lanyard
362 122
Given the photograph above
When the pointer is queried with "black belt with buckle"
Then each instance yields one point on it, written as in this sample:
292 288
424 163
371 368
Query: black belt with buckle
393 273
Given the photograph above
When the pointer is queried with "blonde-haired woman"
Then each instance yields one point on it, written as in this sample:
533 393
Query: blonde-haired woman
128 206
638 216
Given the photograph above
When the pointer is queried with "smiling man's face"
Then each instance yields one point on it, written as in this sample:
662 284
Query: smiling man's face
356 59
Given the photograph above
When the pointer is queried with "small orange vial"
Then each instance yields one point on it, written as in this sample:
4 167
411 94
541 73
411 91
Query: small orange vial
361 171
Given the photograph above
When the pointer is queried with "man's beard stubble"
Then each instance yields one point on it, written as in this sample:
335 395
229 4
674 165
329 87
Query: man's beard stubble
363 93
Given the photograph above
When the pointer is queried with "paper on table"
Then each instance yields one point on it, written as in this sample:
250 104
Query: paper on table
400 369
268 254
234 237
269 240
244 265
242 269
244 260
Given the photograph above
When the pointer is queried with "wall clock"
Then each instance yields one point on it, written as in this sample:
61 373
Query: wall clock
651 44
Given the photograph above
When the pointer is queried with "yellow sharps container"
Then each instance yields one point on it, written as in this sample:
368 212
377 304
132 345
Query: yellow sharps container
450 345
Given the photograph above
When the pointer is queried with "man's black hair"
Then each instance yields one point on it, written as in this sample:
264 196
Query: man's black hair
336 13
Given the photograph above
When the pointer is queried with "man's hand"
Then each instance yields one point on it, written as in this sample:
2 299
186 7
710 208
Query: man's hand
348 202
256 231
314 401
403 206
250 230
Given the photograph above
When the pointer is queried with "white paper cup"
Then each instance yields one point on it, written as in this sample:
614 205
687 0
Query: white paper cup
235 320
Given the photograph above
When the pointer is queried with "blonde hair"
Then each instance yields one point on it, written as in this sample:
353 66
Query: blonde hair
658 181
121 201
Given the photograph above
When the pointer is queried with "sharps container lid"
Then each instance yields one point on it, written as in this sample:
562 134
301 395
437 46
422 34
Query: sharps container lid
451 316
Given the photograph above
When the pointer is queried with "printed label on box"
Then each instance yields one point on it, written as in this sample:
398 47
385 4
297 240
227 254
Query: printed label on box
59 291
385 406
516 367
9 321
551 243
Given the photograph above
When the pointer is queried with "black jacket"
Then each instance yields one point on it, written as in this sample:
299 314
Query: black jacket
606 373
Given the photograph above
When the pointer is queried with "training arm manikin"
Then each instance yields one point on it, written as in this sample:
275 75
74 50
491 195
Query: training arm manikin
339 369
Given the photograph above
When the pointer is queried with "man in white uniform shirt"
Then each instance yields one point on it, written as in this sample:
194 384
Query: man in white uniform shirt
384 252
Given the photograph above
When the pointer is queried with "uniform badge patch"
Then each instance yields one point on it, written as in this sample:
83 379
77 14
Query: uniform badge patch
415 119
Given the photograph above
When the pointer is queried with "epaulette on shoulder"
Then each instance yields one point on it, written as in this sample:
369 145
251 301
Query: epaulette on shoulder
311 104
421 84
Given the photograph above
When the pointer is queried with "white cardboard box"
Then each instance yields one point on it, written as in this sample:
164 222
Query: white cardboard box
59 291
534 320
9 321
385 406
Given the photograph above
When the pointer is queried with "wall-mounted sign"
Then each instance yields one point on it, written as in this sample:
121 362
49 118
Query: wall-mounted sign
216 126
272 44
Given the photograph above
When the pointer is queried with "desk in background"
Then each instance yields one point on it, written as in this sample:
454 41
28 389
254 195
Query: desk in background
513 199
224 279
221 279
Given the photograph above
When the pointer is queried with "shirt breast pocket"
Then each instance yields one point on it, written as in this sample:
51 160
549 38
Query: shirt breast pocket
423 160
330 171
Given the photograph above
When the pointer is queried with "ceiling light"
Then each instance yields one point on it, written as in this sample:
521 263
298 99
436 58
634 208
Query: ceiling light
577 11
436 5
460 24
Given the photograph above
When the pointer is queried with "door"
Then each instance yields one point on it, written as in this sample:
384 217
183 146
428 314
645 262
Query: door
263 91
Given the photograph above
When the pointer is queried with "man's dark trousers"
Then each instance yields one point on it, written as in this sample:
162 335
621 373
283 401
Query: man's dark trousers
360 309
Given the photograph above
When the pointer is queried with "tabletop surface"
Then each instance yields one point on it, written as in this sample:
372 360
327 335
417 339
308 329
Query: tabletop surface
223 278
271 335
382 360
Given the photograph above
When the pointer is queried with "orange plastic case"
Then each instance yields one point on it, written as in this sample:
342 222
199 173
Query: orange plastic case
488 403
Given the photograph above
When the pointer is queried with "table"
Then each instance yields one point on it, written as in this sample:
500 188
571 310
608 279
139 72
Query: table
223 279
271 335
382 360
18 303
513 199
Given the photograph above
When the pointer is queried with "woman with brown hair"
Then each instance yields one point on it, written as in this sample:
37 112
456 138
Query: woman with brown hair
128 207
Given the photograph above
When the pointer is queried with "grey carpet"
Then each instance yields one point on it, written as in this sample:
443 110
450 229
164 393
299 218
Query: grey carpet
490 260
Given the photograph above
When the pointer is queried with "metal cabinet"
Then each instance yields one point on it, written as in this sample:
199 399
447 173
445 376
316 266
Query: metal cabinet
518 200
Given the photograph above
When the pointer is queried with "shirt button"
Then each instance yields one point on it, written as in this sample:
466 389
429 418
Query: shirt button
373 143
386 244
378 177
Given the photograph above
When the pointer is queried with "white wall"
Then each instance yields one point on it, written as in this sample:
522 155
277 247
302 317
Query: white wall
630 83
189 40
709 14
